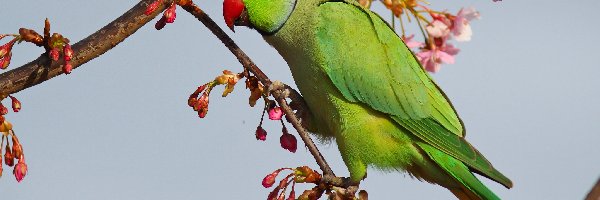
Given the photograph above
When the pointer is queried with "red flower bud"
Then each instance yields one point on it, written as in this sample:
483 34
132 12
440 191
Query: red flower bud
2 121
288 141
68 52
273 193
5 49
16 104
20 169
170 13
292 195
3 109
269 180
202 105
54 54
5 61
261 134
275 113
9 157
67 68
160 24
152 7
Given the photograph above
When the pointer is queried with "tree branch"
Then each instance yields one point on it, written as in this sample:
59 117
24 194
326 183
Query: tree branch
594 192
43 69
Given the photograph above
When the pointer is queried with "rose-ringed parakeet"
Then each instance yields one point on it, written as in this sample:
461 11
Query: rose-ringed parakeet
367 91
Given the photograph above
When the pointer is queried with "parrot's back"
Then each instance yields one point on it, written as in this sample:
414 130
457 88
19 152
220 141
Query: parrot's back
367 90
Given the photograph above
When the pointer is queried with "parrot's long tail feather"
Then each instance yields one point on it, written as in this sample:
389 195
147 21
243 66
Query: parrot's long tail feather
470 188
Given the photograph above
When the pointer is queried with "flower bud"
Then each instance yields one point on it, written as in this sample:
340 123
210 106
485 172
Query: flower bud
4 62
160 24
152 7
170 13
288 141
20 169
269 180
275 113
68 52
261 134
292 195
31 36
54 54
16 104
67 68
9 158
3 109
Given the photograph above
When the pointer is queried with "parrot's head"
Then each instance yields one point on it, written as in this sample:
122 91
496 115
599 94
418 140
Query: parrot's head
266 16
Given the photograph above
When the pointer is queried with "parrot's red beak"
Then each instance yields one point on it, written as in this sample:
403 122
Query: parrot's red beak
234 13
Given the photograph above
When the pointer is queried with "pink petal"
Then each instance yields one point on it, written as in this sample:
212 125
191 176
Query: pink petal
437 28
445 57
410 43
469 13
464 33
432 66
450 49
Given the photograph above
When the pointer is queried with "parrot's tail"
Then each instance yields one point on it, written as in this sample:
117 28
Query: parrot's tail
470 188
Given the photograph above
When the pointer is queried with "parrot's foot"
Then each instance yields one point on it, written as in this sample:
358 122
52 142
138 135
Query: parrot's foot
279 89
297 104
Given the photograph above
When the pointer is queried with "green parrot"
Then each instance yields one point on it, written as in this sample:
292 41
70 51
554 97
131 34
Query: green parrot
367 91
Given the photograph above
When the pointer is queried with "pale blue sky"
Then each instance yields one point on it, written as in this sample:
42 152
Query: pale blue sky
119 127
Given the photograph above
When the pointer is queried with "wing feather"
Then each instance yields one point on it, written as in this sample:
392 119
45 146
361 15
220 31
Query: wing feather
374 67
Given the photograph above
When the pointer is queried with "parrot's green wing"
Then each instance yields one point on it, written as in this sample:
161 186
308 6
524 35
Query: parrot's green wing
387 77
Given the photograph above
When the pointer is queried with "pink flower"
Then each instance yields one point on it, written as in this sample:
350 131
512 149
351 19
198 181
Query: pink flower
410 43
275 113
461 29
431 59
20 169
438 28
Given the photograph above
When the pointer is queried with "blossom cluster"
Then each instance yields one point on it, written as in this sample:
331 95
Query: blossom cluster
437 27
302 174
54 44
199 102
12 153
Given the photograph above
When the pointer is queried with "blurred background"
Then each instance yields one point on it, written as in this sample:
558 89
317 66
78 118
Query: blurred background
119 127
